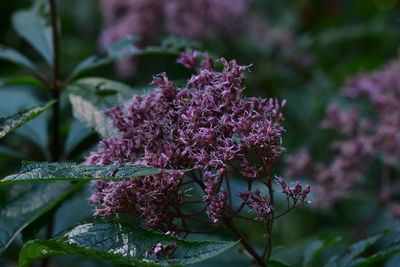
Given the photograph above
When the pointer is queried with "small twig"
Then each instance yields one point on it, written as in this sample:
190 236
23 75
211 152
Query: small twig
259 260
228 186
268 244
191 231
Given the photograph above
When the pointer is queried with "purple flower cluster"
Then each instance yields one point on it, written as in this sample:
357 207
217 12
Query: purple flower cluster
149 19
362 138
259 203
207 126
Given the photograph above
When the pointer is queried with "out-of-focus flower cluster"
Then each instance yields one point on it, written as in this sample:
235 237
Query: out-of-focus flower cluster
201 20
363 138
207 126
149 19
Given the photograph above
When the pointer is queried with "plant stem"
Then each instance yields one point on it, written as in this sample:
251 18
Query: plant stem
55 147
268 243
259 260
55 88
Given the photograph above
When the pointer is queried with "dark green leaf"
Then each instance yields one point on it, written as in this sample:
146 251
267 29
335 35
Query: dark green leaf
16 57
123 48
275 263
315 249
354 250
10 123
380 255
121 243
44 171
392 248
22 97
179 43
76 134
32 26
23 80
89 98
6 151
16 214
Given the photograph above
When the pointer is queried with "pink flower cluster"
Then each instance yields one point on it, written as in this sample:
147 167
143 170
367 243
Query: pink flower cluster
362 138
207 126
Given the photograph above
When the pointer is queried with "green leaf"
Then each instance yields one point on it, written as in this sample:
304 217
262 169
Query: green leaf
28 206
12 55
10 123
122 243
179 43
22 97
27 80
104 87
314 250
6 151
89 98
380 255
44 171
76 134
353 251
275 263
123 48
392 248
33 27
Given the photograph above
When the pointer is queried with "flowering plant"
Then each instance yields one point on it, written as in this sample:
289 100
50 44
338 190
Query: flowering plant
187 168
210 130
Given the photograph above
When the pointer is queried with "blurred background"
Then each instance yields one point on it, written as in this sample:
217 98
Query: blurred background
304 51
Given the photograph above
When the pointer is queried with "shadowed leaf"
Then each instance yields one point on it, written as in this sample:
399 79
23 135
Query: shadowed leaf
121 243
11 123
18 213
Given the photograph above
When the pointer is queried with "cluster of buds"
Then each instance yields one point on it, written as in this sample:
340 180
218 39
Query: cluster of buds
296 193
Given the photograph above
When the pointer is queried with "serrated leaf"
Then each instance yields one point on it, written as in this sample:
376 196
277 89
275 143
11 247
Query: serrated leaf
16 214
13 55
11 123
89 98
32 26
122 48
64 171
121 243
20 98
27 80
